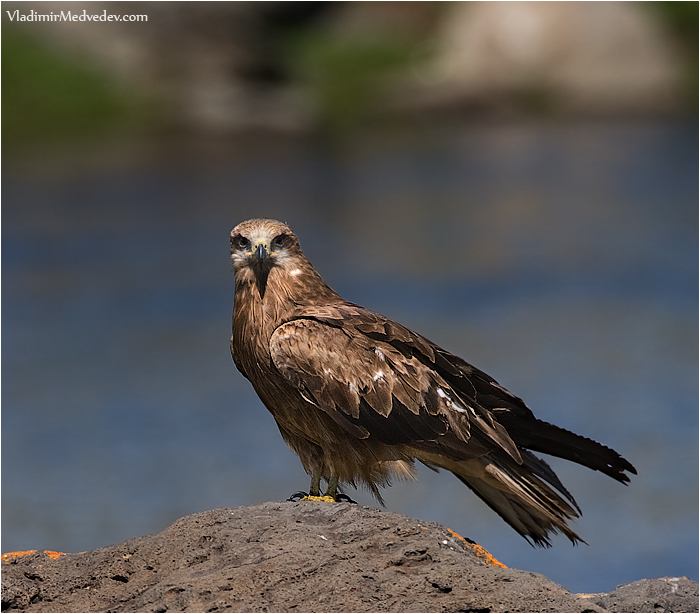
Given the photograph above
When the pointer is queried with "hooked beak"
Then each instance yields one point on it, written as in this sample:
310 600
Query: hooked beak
261 252
261 266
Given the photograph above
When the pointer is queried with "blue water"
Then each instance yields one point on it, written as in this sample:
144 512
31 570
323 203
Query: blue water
560 258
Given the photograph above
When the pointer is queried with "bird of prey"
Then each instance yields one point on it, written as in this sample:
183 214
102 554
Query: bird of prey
360 398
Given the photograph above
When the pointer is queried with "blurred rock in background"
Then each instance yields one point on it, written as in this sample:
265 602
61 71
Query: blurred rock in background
603 57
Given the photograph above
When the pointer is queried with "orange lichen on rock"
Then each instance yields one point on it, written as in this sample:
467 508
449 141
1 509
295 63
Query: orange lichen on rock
8 556
53 554
481 552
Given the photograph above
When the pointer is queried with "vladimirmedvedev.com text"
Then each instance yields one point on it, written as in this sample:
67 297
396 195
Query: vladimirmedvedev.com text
70 16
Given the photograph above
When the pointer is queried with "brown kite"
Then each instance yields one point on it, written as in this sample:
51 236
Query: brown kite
360 398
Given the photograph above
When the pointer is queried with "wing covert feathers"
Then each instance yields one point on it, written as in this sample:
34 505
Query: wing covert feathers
378 379
363 387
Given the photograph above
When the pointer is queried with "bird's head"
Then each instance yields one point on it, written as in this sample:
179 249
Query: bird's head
259 245
262 244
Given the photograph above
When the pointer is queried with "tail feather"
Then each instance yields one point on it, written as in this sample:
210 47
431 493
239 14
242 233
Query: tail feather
526 502
528 496
535 527
544 471
543 437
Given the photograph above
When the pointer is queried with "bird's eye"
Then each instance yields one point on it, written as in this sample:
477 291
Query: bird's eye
281 241
239 242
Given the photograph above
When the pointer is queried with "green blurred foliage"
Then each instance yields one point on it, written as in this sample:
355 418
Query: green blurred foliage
682 19
48 95
348 77
681 16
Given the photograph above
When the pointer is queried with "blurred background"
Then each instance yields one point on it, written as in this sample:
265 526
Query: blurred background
515 180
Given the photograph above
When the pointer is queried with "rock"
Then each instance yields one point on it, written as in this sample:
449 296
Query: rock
306 556
571 57
657 595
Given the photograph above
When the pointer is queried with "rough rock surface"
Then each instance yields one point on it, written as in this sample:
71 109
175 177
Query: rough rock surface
308 557
657 595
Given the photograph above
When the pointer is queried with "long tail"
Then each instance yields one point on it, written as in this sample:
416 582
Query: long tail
541 436
529 497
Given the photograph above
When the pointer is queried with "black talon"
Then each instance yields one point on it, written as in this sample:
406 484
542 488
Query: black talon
343 498
297 496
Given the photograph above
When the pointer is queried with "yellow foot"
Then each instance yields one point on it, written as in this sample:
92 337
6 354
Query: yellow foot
339 498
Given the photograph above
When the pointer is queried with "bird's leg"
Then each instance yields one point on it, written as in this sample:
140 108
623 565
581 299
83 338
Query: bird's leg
332 489
315 488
